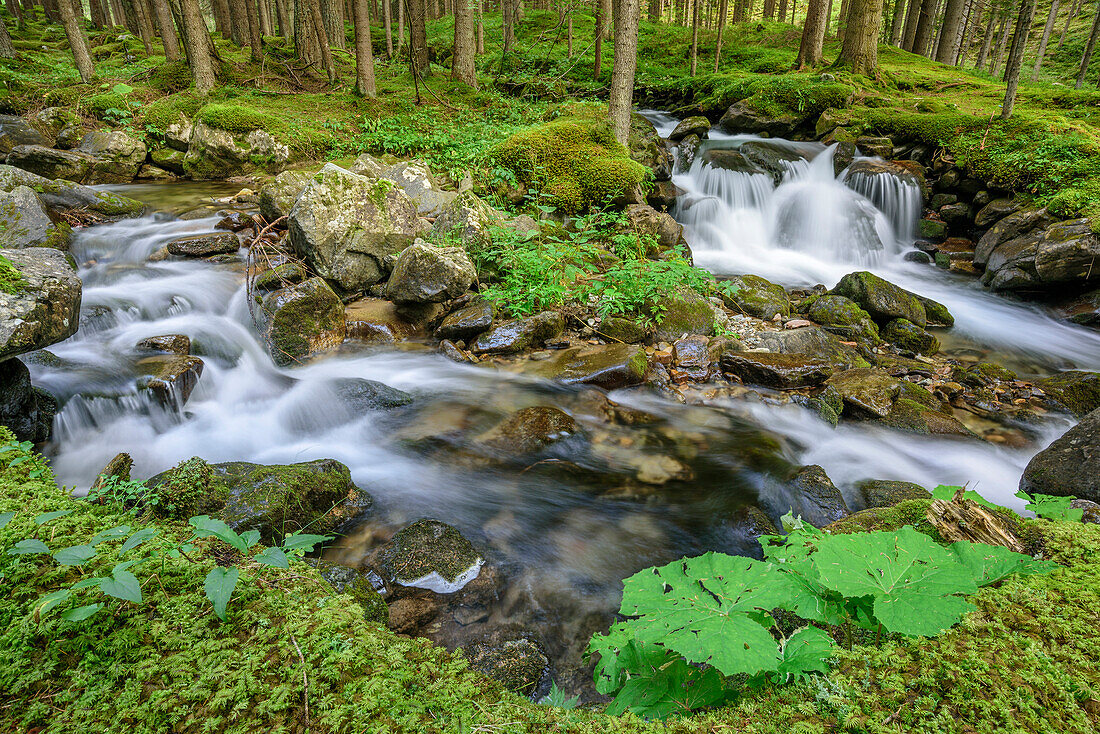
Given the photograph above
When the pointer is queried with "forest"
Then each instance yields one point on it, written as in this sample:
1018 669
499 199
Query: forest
549 366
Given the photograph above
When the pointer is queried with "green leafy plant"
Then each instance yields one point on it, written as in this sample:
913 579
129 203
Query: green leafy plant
557 698
1051 507
22 451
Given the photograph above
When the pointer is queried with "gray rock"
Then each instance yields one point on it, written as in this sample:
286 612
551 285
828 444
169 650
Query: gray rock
520 334
729 160
647 147
23 409
995 211
742 118
687 151
61 196
467 219
810 341
278 195
46 305
1068 467
645 221
302 320
52 163
1014 228
781 371
118 156
170 378
360 395
216 153
344 225
774 158
808 494
695 125
16 131
430 554
24 222
867 392
205 245
466 322
427 274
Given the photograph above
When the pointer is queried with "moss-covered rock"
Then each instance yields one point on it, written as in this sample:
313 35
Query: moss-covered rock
629 331
907 335
887 493
468 219
758 297
883 300
694 125
24 222
118 156
609 366
427 274
907 512
246 145
432 555
1077 390
1067 468
280 276
867 392
278 195
41 301
647 148
520 665
683 312
357 585
303 319
844 318
276 499
520 334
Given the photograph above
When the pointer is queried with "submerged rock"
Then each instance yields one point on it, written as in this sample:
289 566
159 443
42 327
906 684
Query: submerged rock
529 430
782 371
519 665
170 378
275 499
609 366
45 307
377 321
866 391
303 319
432 555
887 493
466 322
205 245
1067 468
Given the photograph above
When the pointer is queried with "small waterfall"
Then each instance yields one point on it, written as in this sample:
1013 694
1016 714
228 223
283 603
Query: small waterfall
899 199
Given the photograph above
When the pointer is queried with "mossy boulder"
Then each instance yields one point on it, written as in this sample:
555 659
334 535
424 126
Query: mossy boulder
781 371
694 125
629 331
244 146
23 409
1067 468
845 318
24 222
647 148
887 493
52 163
276 499
278 195
205 245
520 334
683 312
907 335
520 665
60 196
1077 390
280 276
356 584
345 225
118 156
40 303
880 298
467 219
424 273
303 319
432 555
15 131
168 159
756 296
170 378
907 512
657 232
574 162
867 392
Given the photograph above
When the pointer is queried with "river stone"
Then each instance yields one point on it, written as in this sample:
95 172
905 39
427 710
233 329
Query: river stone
24 222
24 410
177 134
466 322
118 156
520 334
149 172
995 211
16 131
936 312
303 319
628 331
645 221
663 195
741 117
913 416
46 307
377 321
519 665
811 341
467 219
361 395
866 391
528 430
685 312
1067 468
205 245
168 343
773 158
781 371
280 276
646 147
687 150
424 273
880 298
694 125
216 153
355 583
869 168
168 159
907 335
65 195
52 163
279 499
1067 252
235 221
729 160
756 296
887 493
170 377
432 555
1077 390
609 366
416 180
278 195
344 226
1020 229
814 497
844 317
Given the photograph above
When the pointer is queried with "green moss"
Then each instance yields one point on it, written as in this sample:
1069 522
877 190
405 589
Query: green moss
171 77
238 118
159 114
11 280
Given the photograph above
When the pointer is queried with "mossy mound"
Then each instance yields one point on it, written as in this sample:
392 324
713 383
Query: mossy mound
238 118
574 162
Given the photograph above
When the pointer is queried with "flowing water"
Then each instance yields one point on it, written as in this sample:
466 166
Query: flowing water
563 539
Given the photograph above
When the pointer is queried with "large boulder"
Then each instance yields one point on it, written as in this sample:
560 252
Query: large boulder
756 296
317 496
59 196
810 494
25 410
1067 468
170 378
774 158
887 493
845 318
51 121
345 225
665 232
781 371
908 335
16 131
1027 251
216 153
414 178
609 366
869 175
1078 391
683 312
813 342
118 156
694 125
24 222
742 117
205 245
468 220
303 319
647 147
278 195
52 163
424 273
880 298
41 305
726 159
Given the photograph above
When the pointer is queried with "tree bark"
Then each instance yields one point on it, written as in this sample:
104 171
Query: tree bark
694 36
314 8
400 27
284 19
7 50
1016 56
1069 19
597 65
418 37
654 10
481 29
82 55
1087 56
223 21
949 31
167 30
769 9
606 14
925 25
255 41
842 19
239 27
332 13
622 73
199 48
95 12
387 24
897 24
912 19
968 28
465 45
998 51
859 52
781 13
364 54
1052 16
508 26
723 8
813 35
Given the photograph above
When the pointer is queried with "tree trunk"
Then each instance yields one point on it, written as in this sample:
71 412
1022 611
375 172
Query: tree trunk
387 24
332 13
223 21
1045 39
239 30
1016 56
199 48
284 19
1087 56
950 30
769 9
77 42
925 25
1069 19
314 8
7 50
95 12
912 19
897 24
597 65
167 30
723 8
606 12
859 52
418 37
465 45
654 10
813 35
622 73
508 26
998 51
400 27
364 55
781 14
842 20
481 28
968 28
694 36
255 41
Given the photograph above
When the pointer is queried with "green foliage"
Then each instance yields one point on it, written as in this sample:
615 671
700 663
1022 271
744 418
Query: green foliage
556 697
1051 507
11 280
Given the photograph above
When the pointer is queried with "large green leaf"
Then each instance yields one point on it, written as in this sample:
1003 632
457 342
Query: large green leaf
988 564
792 554
122 585
27 547
272 557
80 613
219 586
5 518
74 555
699 608
305 542
206 527
116 533
807 650
658 684
137 539
1052 507
46 517
913 581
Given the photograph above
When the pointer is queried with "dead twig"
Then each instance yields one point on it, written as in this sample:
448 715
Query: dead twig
305 680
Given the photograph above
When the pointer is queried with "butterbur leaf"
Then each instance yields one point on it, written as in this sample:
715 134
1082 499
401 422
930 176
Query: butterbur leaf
74 555
303 541
219 586
80 613
117 533
5 518
699 608
662 684
806 651
28 546
912 580
617 657
272 557
1052 507
988 564
122 585
947 492
46 517
49 601
137 539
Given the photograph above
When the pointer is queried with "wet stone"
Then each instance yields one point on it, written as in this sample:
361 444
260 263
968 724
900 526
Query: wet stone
205 245
866 391
781 371
432 555
235 222
466 322
170 378
170 343
608 366
520 334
